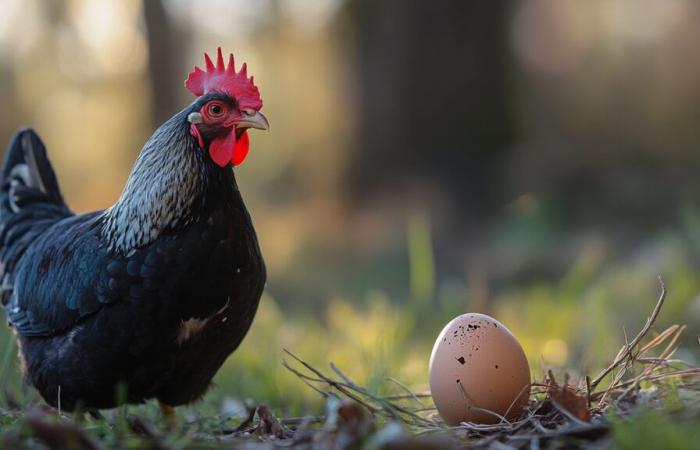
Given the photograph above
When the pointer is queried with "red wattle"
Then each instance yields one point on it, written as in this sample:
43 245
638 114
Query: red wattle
240 151
221 148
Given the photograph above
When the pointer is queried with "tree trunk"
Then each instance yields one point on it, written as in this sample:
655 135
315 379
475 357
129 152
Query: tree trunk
434 97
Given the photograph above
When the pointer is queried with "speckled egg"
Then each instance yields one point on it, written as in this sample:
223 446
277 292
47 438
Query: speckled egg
477 366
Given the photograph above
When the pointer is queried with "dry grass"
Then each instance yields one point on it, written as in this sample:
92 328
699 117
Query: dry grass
643 369
584 414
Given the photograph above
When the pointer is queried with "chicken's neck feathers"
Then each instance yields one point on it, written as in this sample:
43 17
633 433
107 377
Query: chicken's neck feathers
164 188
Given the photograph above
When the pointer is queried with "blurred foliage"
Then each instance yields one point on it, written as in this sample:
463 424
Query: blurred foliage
558 227
654 429
420 253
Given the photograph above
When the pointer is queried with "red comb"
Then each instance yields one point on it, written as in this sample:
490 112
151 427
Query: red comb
225 79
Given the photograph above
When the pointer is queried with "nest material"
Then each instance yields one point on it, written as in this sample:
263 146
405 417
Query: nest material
576 414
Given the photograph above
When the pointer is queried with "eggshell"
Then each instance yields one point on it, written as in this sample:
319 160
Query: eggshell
476 365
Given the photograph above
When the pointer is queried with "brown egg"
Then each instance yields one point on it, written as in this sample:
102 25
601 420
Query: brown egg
478 365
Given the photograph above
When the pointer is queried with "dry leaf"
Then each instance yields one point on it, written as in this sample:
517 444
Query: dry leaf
270 425
567 397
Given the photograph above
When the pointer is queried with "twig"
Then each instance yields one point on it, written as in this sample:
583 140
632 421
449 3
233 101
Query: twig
625 351
545 418
473 405
406 389
355 392
588 391
329 381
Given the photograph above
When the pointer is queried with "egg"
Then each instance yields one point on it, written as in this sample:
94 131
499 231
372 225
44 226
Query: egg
477 366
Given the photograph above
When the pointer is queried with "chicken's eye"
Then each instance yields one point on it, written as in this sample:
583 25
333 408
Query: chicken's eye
215 110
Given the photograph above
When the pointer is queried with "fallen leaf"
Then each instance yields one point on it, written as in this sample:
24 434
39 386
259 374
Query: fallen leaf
270 425
567 397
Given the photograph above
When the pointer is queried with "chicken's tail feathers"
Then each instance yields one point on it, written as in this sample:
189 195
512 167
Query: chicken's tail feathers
30 202
27 175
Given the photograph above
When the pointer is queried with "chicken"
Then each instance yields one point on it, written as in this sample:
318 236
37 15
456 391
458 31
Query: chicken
154 293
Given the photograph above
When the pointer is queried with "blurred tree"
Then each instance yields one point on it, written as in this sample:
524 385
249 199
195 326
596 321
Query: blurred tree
434 98
162 48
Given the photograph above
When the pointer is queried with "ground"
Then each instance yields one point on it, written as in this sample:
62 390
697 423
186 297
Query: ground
645 398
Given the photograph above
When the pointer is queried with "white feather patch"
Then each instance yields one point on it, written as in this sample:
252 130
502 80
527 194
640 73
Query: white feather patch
189 329
192 327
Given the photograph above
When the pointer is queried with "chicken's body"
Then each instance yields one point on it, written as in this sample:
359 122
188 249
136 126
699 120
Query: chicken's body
152 294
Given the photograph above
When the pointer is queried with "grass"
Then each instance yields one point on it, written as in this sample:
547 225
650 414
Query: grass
644 398
653 428
381 345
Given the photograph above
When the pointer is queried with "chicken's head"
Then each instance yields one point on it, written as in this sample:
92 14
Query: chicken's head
229 103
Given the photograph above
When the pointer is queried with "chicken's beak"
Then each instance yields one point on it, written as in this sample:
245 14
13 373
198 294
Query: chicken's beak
255 120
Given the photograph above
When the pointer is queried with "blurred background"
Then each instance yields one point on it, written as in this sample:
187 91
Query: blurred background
534 160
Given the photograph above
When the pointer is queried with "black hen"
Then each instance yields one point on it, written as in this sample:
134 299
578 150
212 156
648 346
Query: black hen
153 293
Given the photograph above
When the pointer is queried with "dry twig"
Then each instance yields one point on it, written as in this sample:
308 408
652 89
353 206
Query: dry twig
555 411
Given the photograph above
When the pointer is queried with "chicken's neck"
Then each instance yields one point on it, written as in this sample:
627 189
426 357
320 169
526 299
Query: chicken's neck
166 189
